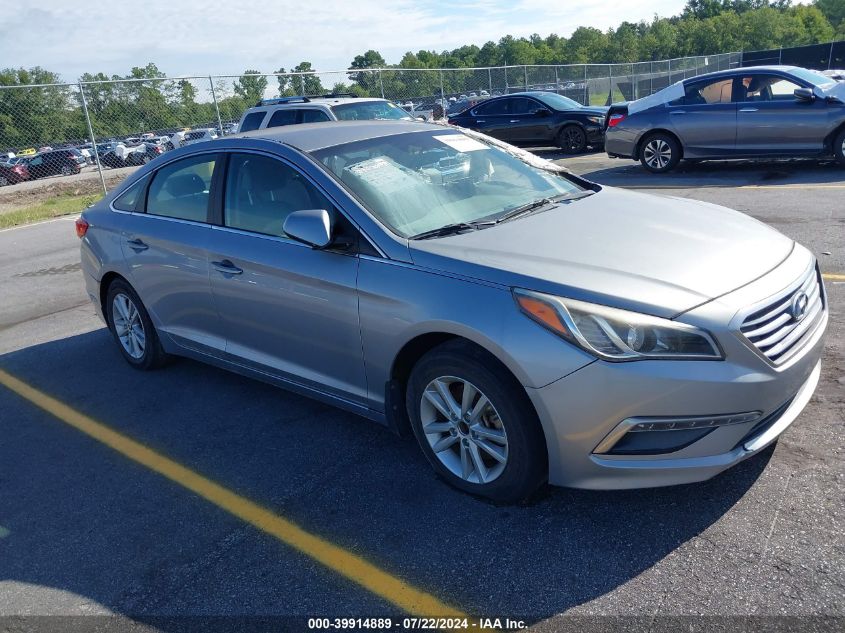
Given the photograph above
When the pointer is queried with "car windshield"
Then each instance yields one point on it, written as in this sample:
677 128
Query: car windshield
369 110
418 182
556 101
817 79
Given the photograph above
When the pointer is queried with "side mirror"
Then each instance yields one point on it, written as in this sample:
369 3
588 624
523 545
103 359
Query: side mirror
541 112
805 95
310 226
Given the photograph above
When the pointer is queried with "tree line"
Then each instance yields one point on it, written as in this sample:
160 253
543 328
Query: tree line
34 116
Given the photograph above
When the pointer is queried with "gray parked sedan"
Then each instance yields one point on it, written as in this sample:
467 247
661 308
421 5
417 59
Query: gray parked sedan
758 112
526 324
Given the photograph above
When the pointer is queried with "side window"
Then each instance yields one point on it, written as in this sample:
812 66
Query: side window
766 88
282 117
492 108
261 192
252 121
181 189
35 162
522 105
314 116
703 93
129 198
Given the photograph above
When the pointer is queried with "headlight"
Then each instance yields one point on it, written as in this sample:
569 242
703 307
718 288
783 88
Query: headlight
598 120
617 335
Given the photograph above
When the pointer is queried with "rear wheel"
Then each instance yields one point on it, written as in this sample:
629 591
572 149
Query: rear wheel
660 152
132 328
475 424
3 181
572 139
66 170
839 147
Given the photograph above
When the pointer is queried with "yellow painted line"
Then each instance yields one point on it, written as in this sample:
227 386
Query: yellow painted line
347 564
833 277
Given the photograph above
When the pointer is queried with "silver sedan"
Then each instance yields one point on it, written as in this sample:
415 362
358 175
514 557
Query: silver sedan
524 324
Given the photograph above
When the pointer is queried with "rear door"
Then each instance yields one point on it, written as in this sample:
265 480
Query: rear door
490 117
770 120
164 244
287 309
705 118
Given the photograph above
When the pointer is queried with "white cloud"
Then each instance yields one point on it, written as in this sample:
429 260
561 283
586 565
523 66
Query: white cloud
217 37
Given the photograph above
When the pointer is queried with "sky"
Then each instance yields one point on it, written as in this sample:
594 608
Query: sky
202 37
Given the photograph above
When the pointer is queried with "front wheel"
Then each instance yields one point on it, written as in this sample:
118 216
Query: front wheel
839 147
660 152
572 139
132 328
66 170
475 424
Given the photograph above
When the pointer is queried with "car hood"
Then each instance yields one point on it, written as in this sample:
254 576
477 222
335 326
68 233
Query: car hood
654 254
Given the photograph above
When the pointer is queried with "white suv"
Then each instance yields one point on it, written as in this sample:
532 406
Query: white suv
294 110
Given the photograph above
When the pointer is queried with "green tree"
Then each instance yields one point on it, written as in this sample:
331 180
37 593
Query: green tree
251 86
833 10
311 84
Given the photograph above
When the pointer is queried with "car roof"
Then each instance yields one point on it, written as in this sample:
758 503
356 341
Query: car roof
312 101
310 137
743 69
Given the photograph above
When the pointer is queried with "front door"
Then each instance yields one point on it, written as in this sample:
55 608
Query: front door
770 120
287 309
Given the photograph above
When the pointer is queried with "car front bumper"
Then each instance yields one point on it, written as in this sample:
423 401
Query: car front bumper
578 412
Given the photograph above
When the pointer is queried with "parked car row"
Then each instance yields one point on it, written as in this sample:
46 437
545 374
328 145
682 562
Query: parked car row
64 162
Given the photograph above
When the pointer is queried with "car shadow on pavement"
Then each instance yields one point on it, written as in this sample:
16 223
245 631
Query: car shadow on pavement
88 530
696 174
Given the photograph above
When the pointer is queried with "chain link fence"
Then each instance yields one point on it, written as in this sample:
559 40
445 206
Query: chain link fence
62 129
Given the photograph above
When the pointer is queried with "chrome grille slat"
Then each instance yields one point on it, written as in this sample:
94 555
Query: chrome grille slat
772 328
796 333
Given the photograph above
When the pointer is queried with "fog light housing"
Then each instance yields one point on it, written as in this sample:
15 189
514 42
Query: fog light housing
660 435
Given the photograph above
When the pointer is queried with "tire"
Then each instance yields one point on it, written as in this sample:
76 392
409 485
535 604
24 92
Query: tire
660 152
572 139
839 147
66 170
3 181
145 159
122 305
507 425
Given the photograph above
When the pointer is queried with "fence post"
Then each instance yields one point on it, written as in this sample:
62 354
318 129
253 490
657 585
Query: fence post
830 56
525 69
301 85
93 140
585 85
651 78
490 79
442 94
610 78
557 81
381 83
216 107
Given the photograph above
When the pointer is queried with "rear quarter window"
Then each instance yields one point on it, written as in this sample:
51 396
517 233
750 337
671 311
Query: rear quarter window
282 117
252 121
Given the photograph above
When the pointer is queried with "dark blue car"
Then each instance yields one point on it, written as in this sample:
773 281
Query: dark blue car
537 118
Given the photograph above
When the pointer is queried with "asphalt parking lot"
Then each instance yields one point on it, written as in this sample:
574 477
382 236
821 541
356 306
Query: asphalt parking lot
307 511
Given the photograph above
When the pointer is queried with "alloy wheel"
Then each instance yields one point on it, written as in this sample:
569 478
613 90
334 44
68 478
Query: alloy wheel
128 326
66 171
3 181
464 429
657 153
573 139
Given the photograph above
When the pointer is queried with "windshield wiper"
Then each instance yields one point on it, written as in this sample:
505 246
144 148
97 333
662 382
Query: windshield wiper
530 207
451 229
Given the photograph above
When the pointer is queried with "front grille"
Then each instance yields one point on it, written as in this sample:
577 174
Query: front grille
774 330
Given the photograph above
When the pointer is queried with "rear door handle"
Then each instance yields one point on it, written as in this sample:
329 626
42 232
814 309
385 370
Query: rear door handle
514 120
226 267
137 245
749 109
677 112
480 121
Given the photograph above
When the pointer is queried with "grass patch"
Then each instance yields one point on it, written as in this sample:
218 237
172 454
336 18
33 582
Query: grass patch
64 204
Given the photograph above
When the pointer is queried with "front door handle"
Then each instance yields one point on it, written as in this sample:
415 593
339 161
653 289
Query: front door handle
748 109
137 245
226 267
514 120
677 112
480 121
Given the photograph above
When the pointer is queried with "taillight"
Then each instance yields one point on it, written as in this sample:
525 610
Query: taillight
615 119
18 169
81 227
